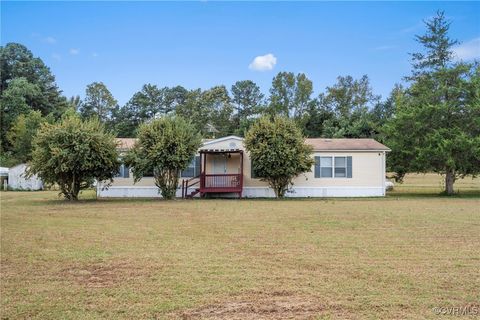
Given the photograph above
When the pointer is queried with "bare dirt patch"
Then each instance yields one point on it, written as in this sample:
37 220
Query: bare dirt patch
274 305
102 275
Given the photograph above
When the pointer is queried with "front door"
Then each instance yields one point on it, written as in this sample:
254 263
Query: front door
219 164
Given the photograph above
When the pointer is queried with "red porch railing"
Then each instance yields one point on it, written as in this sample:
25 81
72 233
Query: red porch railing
215 183
221 182
212 183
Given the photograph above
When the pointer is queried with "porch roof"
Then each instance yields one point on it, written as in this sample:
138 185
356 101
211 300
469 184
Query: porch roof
220 151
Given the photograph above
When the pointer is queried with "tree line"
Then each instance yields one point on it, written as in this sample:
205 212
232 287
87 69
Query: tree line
431 123
348 108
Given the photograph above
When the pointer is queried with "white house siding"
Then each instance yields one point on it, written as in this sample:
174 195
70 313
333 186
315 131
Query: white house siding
315 192
133 192
249 192
368 177
17 180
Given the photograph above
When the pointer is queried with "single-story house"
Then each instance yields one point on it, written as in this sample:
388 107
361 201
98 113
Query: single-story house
18 181
222 167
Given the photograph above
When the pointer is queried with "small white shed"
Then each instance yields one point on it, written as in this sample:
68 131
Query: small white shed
3 172
3 177
18 181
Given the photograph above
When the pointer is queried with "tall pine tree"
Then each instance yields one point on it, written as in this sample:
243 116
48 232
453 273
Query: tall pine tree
436 126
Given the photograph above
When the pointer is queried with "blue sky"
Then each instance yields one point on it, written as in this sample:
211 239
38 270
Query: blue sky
202 44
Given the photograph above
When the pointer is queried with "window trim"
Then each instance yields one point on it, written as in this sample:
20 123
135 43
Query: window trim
348 172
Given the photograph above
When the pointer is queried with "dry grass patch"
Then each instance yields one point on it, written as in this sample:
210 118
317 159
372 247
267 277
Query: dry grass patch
104 274
260 305
394 257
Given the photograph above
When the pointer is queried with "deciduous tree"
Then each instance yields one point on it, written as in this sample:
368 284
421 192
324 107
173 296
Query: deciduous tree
16 61
15 100
73 154
351 101
165 146
316 116
98 102
207 109
22 133
75 103
290 94
278 152
247 101
143 106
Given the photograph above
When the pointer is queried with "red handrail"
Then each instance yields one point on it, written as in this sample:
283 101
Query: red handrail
186 185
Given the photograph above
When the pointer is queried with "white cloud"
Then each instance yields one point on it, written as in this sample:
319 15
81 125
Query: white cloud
263 63
94 55
74 52
50 40
468 50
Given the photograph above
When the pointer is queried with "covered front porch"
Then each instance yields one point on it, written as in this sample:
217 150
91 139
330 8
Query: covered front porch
221 172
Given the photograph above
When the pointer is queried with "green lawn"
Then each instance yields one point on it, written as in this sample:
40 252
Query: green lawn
394 257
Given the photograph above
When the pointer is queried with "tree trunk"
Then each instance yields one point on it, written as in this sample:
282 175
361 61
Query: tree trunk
277 188
75 189
449 180
167 182
280 193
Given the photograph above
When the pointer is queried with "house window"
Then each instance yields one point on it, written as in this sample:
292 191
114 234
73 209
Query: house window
328 167
192 170
148 174
340 167
123 171
325 167
253 173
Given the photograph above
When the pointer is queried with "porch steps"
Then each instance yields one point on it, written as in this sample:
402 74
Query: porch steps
192 194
